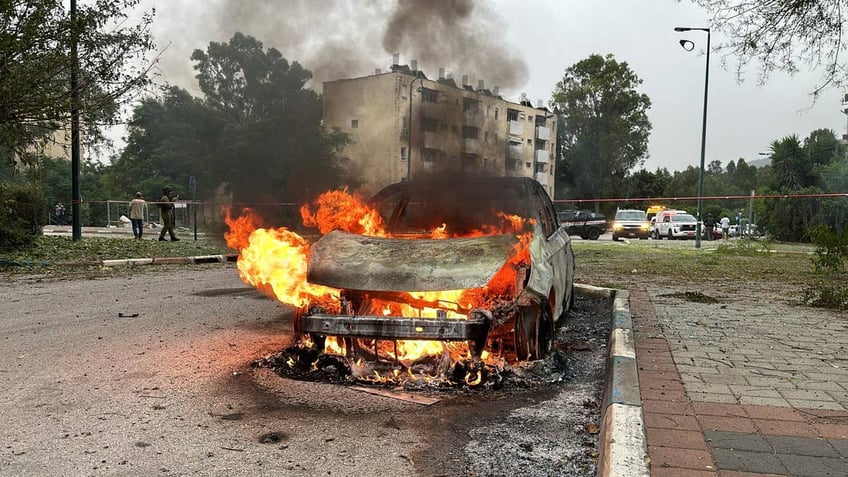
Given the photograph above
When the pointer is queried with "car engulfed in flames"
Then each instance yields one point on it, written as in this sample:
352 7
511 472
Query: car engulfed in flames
423 276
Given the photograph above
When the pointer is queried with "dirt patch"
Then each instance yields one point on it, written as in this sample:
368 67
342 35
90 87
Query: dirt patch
695 297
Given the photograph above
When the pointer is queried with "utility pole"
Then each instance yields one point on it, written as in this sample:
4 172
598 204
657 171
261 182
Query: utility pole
75 133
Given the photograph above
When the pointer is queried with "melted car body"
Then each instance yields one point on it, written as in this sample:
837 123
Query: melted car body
386 282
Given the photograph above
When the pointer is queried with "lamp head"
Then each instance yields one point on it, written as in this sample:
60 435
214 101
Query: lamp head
682 29
687 45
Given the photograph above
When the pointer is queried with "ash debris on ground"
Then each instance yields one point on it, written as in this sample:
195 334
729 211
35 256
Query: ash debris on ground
579 333
556 436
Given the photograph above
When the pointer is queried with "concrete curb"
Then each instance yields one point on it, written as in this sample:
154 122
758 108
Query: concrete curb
622 445
125 262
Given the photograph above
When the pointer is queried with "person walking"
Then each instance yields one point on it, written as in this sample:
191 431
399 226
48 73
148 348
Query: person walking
60 213
725 227
137 207
709 223
166 210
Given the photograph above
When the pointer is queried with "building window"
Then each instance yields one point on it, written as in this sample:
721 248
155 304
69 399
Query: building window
486 136
529 118
496 113
470 132
512 115
403 154
527 165
470 105
496 138
488 110
430 124
455 130
354 123
429 95
443 127
529 141
521 116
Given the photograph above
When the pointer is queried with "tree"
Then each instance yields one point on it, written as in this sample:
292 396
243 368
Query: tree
648 184
35 67
603 126
822 147
784 35
170 138
790 169
255 133
273 132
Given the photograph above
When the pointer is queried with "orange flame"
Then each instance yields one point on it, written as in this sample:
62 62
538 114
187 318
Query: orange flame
339 210
275 260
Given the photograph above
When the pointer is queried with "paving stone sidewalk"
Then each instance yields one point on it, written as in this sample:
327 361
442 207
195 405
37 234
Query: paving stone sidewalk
741 391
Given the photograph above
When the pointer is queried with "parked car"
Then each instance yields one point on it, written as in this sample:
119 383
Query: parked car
517 290
584 223
677 226
630 223
658 231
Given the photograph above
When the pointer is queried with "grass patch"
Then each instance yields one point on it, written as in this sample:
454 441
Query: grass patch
785 268
88 249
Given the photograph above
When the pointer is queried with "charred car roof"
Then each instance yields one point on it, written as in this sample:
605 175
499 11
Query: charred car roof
464 202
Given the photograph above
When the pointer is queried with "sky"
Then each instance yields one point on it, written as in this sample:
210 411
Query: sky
522 47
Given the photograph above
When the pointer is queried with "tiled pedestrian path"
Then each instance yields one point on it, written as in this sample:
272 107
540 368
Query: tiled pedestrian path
741 394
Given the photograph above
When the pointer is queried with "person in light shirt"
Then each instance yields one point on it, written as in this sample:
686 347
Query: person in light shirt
725 227
137 207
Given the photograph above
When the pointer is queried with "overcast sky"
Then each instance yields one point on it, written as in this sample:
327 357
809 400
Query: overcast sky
524 47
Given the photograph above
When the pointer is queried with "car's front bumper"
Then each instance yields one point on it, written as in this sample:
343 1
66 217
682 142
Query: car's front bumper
475 329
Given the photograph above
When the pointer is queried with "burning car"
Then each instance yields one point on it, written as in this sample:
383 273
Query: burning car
436 271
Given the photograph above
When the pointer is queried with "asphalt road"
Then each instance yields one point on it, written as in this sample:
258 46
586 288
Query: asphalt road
150 374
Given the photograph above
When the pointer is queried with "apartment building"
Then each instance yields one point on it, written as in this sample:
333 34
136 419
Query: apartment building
404 124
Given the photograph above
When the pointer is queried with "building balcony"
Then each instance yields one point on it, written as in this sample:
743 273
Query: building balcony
473 118
542 156
516 151
471 146
433 110
516 128
543 133
432 140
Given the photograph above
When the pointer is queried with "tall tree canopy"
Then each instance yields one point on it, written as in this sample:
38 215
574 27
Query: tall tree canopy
35 66
784 35
603 126
256 131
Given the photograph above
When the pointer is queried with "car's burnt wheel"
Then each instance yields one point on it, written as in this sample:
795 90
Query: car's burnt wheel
534 332
594 234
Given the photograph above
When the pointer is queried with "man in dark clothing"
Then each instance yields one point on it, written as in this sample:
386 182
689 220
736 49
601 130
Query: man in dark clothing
709 224
166 209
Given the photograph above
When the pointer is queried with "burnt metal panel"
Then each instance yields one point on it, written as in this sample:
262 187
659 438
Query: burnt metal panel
350 261
476 328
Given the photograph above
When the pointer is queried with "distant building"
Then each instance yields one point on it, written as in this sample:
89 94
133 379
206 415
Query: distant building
404 124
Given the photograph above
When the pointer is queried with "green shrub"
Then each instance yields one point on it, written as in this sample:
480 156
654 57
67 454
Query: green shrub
827 295
22 213
831 248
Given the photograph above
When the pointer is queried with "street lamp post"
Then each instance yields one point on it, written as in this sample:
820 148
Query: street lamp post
688 45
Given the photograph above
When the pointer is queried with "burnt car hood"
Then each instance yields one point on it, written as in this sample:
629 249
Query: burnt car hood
343 260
